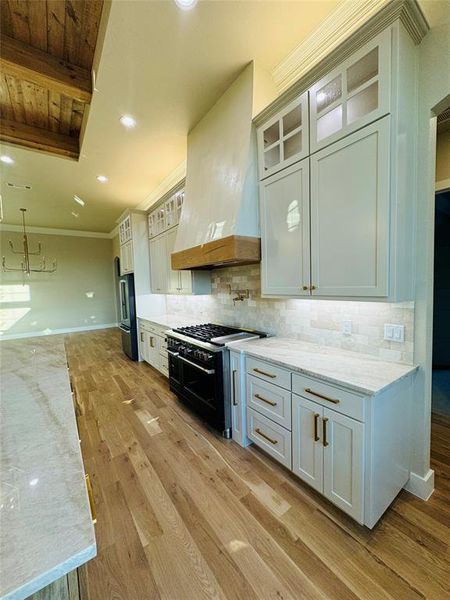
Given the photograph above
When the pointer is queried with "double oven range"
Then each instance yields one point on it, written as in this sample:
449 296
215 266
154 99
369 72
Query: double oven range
199 369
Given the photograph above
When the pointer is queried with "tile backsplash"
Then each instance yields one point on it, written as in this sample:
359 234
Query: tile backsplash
318 321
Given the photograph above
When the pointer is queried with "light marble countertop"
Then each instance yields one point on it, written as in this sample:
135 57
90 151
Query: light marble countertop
46 523
360 372
171 320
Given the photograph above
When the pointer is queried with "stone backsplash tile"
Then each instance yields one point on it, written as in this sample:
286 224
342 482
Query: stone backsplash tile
318 321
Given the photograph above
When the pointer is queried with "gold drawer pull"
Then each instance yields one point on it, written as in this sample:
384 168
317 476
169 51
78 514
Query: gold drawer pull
266 437
91 499
265 400
271 375
324 431
333 400
316 427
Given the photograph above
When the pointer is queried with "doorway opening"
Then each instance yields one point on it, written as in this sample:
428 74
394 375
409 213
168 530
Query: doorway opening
440 402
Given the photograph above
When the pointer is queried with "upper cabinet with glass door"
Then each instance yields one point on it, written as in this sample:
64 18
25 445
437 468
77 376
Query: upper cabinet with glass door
353 95
166 216
283 140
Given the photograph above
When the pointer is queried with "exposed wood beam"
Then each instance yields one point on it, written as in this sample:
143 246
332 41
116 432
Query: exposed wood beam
24 62
38 139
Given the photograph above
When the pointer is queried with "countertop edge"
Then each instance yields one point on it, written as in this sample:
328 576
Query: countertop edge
328 378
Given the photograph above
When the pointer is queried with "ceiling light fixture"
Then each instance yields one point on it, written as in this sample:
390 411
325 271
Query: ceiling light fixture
102 178
79 200
128 121
6 159
185 4
75 214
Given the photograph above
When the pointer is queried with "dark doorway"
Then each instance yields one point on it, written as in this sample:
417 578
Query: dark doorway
441 318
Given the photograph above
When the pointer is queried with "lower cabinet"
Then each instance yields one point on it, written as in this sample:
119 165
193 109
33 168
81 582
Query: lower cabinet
237 387
153 346
346 445
328 453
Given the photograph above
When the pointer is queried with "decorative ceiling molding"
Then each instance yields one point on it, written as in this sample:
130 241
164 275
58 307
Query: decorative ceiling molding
352 25
170 182
50 231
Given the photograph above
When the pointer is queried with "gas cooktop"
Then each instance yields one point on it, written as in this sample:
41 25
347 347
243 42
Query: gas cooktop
217 334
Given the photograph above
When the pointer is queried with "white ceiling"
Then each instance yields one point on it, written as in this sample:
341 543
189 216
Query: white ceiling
166 67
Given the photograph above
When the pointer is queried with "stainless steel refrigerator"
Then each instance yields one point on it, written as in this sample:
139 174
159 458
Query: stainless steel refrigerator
127 308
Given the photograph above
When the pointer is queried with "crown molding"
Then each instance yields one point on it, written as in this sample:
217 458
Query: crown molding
51 231
169 183
349 27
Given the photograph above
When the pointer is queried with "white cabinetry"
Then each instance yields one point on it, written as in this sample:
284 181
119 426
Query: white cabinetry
352 448
362 140
167 281
350 214
284 139
353 95
285 232
153 345
237 387
133 238
167 215
328 453
126 257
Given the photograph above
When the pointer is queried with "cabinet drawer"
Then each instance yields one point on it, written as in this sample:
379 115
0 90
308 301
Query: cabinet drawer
270 400
145 325
268 372
342 401
270 436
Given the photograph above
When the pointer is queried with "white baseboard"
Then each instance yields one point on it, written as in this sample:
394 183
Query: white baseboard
17 336
422 487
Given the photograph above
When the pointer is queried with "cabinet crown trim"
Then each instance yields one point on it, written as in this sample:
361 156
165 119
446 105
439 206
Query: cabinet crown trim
326 48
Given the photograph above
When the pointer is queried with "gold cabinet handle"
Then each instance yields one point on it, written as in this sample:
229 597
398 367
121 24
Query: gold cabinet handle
313 287
266 437
234 388
305 287
265 400
333 400
91 499
271 375
151 342
142 336
324 431
316 427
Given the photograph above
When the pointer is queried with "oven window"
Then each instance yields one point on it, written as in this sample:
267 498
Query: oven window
200 384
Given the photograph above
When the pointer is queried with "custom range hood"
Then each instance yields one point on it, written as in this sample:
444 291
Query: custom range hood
219 224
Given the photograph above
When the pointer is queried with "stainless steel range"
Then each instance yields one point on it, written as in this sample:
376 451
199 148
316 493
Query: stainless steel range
199 369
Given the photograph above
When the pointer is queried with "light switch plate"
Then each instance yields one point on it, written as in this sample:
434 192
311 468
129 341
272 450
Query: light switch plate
347 327
394 333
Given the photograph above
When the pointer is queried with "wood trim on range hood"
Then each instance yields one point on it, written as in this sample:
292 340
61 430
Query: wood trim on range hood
231 250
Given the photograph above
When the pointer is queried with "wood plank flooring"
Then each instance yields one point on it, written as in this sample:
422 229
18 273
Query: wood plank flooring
183 514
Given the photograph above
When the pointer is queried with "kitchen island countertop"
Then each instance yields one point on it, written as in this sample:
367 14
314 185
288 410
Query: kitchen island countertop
47 527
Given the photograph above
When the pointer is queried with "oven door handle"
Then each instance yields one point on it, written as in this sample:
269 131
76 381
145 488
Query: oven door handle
193 364
172 353
124 329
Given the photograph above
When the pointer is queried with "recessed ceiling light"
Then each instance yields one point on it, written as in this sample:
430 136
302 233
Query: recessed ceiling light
79 200
6 159
75 214
102 178
127 121
185 4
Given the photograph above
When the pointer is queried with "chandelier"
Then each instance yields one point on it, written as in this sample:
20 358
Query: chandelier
25 253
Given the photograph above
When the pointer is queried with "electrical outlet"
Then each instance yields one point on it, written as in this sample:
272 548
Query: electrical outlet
394 333
347 327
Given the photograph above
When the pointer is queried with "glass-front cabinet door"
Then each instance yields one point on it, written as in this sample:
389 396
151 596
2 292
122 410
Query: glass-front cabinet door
283 140
353 95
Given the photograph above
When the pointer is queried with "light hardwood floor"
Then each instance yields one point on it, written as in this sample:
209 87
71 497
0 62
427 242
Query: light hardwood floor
186 515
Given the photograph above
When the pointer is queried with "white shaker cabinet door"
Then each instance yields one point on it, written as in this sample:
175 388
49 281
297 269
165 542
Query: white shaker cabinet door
173 284
238 404
285 245
307 448
343 463
350 189
158 264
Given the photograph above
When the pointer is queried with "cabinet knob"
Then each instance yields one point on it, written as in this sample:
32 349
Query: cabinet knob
305 287
313 287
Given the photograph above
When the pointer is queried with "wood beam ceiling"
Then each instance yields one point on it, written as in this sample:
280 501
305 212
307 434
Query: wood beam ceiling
24 62
46 55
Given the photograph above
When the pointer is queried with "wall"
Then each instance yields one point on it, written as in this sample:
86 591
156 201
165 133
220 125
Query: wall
434 87
79 295
318 321
443 156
